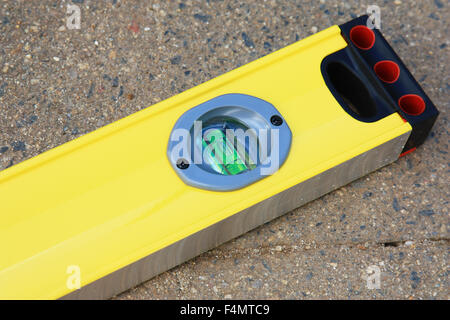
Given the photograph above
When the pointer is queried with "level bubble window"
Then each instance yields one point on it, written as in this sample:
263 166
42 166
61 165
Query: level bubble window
234 140
228 146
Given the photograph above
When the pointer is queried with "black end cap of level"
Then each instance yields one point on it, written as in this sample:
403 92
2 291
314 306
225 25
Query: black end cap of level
412 103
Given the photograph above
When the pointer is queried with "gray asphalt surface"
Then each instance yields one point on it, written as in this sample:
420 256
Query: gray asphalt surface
58 84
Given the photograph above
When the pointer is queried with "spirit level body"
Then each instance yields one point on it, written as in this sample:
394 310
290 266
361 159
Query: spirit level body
111 203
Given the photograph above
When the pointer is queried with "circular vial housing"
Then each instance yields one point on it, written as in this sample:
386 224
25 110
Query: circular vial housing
228 142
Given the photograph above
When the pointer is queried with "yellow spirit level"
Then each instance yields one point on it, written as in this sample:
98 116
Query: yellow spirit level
114 206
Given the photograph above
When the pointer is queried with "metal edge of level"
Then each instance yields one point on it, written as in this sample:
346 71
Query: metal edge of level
241 222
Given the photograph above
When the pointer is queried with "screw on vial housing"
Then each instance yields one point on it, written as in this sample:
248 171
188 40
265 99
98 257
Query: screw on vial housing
182 164
276 120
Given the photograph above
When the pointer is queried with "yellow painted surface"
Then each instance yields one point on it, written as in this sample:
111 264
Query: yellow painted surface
109 198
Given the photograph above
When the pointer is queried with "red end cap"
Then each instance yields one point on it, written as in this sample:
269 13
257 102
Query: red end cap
412 104
362 37
388 71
